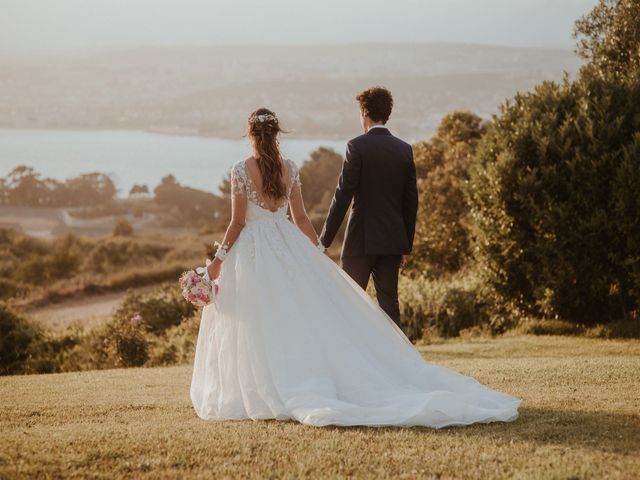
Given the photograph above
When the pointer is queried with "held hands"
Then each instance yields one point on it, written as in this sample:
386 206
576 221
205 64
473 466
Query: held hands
322 248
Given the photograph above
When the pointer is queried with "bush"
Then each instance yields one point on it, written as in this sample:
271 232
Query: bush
157 328
448 305
122 228
620 329
177 345
127 342
555 201
112 253
442 243
23 348
548 327
62 260
160 309
81 349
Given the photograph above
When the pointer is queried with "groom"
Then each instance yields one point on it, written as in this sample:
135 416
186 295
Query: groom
379 175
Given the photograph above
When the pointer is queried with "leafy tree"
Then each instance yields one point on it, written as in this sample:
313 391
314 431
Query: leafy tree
24 187
191 203
555 200
442 242
139 190
609 38
90 189
319 176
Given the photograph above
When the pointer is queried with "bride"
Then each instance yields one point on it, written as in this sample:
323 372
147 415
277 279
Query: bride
291 336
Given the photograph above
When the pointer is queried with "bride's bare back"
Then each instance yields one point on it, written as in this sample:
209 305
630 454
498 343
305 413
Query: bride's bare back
256 184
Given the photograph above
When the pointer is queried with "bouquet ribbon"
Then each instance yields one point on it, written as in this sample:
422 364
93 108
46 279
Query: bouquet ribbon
204 271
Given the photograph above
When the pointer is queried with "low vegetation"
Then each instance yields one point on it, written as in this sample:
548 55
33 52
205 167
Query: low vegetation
35 272
148 329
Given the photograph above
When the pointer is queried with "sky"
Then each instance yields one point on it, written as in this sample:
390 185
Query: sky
43 25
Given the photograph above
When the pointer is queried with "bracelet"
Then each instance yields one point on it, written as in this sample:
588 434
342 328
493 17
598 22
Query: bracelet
321 247
222 251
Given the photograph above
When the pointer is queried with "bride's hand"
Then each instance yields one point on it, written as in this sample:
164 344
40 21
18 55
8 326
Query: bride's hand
214 269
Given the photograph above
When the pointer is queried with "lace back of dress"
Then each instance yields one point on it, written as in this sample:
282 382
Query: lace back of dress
241 183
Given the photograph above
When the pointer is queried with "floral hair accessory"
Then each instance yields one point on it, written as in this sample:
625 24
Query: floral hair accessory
265 117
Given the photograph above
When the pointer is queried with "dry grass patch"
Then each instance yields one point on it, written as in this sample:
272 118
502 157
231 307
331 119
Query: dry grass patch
579 420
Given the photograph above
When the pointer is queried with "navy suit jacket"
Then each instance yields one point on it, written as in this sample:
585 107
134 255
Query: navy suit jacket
379 176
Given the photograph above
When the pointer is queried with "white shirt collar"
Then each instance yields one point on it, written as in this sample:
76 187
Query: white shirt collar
376 126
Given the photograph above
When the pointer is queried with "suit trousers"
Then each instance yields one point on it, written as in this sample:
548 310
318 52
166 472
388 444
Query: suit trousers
385 269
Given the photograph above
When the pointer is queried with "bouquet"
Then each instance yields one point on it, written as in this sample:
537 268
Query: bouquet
196 289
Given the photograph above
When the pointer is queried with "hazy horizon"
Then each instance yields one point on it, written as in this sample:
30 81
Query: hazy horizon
86 25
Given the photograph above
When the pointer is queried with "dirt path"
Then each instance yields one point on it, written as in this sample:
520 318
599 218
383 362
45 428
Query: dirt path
87 311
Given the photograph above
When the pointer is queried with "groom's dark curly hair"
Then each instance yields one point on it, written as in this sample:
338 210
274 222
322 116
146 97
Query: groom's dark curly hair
376 103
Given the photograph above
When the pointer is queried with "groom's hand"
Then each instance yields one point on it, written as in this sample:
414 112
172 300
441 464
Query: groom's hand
403 261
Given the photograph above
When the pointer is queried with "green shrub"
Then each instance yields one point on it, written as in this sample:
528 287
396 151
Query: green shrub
81 349
442 242
127 342
555 201
160 309
536 326
23 348
177 344
35 263
413 306
448 305
112 253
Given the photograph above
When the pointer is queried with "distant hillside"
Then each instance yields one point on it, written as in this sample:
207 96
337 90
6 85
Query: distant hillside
210 91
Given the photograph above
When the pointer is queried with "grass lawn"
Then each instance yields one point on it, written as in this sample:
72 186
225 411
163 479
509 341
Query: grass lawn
580 418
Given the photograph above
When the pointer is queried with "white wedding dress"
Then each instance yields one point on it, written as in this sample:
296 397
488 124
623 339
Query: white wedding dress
291 336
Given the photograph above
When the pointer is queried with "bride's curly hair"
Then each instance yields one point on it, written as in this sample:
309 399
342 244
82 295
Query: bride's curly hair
263 128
